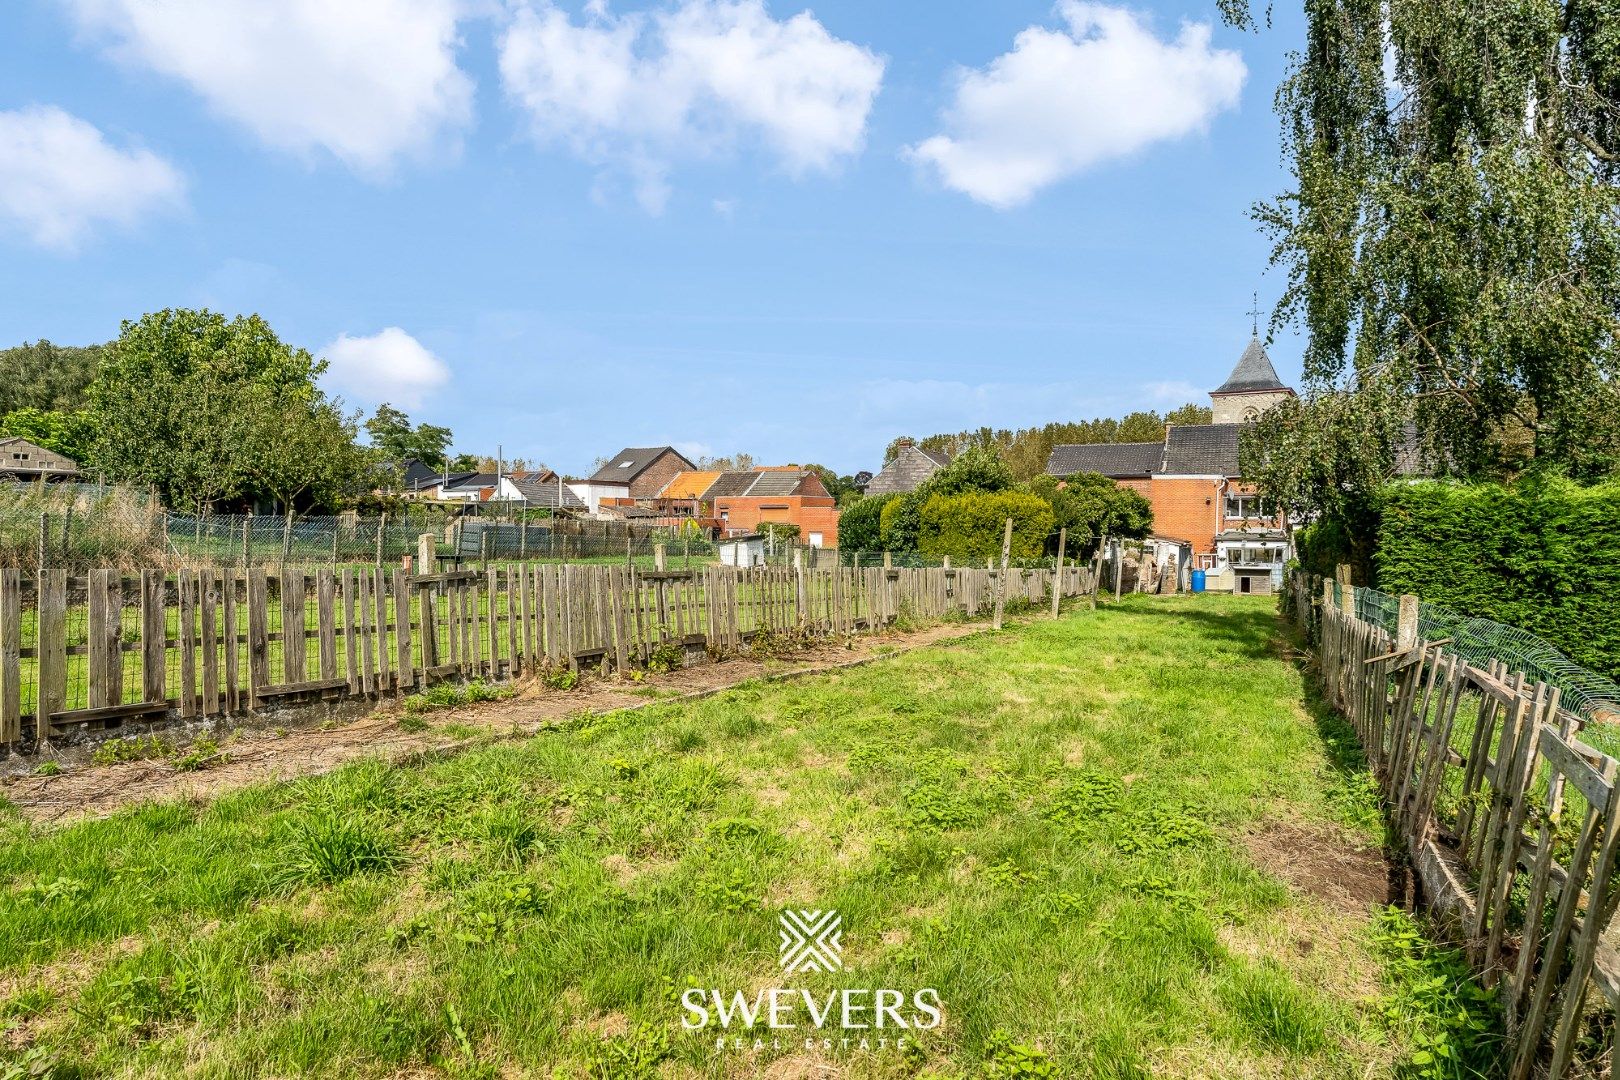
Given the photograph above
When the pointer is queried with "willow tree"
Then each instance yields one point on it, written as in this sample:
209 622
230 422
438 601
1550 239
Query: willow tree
1452 231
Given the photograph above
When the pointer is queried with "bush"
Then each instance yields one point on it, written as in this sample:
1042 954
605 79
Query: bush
860 526
902 522
1543 555
969 527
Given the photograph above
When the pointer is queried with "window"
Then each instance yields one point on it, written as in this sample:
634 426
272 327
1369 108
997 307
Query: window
625 464
1239 507
815 540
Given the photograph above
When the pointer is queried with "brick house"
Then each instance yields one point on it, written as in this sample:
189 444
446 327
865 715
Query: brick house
631 474
1194 485
737 503
906 473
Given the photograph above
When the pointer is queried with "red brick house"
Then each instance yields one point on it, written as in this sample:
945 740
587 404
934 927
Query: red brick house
741 502
1194 485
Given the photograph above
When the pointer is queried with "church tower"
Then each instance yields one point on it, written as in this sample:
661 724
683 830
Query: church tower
1251 389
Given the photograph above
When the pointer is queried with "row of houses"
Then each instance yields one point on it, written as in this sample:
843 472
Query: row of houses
655 486
1204 515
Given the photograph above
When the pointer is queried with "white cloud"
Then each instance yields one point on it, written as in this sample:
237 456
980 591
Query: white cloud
366 80
390 366
639 92
1174 391
1063 101
60 178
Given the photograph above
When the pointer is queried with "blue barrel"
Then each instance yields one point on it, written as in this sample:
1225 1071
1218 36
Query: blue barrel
1198 581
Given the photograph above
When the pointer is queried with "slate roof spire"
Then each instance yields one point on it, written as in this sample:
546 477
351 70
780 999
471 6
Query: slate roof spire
1253 373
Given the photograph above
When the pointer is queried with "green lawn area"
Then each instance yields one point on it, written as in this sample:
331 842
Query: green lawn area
1045 826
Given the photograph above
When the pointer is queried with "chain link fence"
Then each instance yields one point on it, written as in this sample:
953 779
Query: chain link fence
1584 692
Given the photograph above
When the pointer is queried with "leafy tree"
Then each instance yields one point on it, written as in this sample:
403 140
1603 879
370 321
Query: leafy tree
1452 225
978 468
471 463
47 377
302 451
396 440
1325 456
1091 506
67 433
200 409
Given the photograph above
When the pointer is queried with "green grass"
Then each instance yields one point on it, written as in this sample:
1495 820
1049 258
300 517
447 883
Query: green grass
1043 825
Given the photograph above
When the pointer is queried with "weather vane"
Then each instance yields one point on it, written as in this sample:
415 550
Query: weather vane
1254 314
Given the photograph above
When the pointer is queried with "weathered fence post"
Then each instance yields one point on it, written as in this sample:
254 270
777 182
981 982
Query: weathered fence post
382 529
1406 626
801 598
247 541
1347 592
1119 571
1057 572
1001 579
1097 569
658 557
426 545
44 539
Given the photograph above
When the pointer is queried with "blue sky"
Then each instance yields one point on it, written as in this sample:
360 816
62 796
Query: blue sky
731 226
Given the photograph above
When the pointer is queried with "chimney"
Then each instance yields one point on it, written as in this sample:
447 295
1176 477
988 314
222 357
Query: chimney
903 443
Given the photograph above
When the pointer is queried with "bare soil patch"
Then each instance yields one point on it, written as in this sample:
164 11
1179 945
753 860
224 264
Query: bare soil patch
1343 873
253 756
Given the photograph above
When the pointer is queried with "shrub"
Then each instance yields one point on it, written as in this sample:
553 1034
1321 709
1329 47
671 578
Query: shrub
901 522
1543 555
860 527
969 527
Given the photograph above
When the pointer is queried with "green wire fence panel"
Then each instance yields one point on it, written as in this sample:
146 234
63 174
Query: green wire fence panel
1585 692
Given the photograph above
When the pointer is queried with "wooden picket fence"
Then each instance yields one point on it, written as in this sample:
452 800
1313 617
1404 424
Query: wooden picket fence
1512 822
94 651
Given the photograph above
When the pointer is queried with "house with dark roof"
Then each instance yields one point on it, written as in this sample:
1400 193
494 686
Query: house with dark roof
1195 485
633 473
907 471
539 488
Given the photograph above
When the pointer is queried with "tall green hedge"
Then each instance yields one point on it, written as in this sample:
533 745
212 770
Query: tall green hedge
859 527
969 527
1543 556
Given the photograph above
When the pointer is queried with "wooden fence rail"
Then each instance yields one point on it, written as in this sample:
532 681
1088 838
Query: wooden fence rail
1511 820
94 650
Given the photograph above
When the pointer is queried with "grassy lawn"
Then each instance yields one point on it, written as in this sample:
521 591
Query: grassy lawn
1046 827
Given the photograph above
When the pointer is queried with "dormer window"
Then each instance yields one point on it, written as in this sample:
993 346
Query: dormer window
625 464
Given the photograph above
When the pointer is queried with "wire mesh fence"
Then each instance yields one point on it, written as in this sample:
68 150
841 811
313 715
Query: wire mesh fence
1479 641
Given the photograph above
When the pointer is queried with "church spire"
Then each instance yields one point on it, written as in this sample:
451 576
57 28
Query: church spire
1254 373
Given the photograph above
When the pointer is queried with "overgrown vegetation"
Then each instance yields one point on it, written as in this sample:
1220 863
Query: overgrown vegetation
1543 556
1056 847
451 695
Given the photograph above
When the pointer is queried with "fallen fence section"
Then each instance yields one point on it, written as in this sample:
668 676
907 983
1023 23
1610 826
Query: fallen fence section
1511 820
88 652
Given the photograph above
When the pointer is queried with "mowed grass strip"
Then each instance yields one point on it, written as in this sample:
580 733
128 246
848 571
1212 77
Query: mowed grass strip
1045 825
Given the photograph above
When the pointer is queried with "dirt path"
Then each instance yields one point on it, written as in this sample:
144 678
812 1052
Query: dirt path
254 756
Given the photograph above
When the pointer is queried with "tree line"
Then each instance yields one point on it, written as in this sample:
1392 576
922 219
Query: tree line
1026 450
209 412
